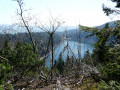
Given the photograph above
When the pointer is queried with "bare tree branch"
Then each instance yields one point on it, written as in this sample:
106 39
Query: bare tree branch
20 12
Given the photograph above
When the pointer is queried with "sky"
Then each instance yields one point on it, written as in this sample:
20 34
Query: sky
72 12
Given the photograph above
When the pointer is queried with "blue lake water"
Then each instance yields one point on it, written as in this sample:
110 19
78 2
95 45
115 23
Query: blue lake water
73 48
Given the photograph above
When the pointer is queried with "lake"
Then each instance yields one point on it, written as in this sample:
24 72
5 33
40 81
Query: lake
73 48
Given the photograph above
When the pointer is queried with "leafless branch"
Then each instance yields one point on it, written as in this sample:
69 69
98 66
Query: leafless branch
20 12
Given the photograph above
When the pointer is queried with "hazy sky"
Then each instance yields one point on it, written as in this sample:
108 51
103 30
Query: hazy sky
73 12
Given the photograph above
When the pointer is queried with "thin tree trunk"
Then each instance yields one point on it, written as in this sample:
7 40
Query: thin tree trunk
31 38
26 26
52 57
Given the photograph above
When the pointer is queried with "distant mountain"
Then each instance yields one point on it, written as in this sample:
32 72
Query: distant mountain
72 32
12 29
111 24
75 33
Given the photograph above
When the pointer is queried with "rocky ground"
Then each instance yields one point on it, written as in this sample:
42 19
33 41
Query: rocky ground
58 84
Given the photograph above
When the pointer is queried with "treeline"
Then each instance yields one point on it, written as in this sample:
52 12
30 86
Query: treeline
75 34
41 40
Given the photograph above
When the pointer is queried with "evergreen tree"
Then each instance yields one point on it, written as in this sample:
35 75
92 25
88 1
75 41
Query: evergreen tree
106 54
6 50
4 69
60 64
109 10
25 57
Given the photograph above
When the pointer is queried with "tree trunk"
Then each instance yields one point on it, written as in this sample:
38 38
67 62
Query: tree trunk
52 56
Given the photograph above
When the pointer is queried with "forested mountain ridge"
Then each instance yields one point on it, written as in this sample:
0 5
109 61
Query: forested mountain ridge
71 33
111 24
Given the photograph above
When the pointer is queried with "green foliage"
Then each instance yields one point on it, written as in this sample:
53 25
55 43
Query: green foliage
10 87
46 70
6 50
4 69
103 86
25 57
59 64
87 29
112 71
87 58
99 53
1 87
106 55
5 64
114 53
112 85
25 61
17 62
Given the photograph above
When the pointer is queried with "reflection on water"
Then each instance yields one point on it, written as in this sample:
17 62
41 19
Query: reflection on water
74 48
